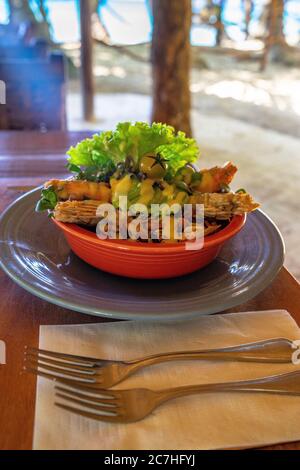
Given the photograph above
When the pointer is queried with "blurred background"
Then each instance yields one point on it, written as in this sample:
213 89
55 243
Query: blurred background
226 71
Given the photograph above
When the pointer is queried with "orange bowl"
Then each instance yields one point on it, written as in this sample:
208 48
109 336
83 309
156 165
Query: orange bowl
146 261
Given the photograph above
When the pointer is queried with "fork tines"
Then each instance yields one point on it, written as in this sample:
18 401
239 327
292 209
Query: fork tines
55 366
65 357
101 405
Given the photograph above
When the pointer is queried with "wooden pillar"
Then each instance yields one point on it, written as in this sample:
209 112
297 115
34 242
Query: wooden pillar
275 41
87 79
171 63
248 8
219 22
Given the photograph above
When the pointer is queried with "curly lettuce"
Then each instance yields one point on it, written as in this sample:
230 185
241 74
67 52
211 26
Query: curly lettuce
101 154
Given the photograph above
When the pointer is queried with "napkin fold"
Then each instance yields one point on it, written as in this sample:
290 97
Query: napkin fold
204 421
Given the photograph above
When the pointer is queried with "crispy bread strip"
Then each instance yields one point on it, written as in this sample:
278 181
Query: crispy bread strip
223 206
216 205
77 212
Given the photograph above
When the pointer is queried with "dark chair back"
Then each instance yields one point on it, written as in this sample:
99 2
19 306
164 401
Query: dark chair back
22 51
35 90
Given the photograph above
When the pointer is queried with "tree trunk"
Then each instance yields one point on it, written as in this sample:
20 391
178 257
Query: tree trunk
219 22
275 43
171 63
248 8
278 11
87 77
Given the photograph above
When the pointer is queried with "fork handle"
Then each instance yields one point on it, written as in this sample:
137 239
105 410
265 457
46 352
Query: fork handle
277 350
286 384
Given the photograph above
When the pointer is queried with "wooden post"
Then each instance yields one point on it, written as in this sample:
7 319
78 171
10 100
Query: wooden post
275 41
219 22
87 79
171 63
248 8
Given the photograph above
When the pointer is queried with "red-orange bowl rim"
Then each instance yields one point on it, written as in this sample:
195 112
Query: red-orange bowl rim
235 225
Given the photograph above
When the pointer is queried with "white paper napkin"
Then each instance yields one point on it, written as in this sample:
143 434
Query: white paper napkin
204 421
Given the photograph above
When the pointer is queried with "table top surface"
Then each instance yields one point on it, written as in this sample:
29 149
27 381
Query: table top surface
30 158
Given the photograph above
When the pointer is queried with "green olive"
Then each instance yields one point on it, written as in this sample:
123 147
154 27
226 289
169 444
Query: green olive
154 166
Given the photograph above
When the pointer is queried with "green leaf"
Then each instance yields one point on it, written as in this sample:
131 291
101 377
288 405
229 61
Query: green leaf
48 200
49 195
73 168
42 205
104 151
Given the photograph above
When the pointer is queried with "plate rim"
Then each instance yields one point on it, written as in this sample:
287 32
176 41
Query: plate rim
254 289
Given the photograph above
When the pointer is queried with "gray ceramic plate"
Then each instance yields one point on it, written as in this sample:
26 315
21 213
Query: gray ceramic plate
35 254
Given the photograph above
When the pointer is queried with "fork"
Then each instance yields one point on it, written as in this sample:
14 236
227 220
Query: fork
126 406
102 373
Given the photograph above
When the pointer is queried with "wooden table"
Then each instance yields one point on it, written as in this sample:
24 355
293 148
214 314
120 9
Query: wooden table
30 158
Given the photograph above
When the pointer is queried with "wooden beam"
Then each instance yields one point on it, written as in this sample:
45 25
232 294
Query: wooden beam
87 79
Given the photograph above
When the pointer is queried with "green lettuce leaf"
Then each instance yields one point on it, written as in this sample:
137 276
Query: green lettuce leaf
48 200
104 151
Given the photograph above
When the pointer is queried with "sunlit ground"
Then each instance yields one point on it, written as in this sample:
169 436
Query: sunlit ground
236 88
279 90
281 94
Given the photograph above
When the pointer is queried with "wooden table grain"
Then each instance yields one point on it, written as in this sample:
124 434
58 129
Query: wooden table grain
29 158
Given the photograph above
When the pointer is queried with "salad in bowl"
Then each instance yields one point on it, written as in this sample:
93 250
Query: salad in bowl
152 167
